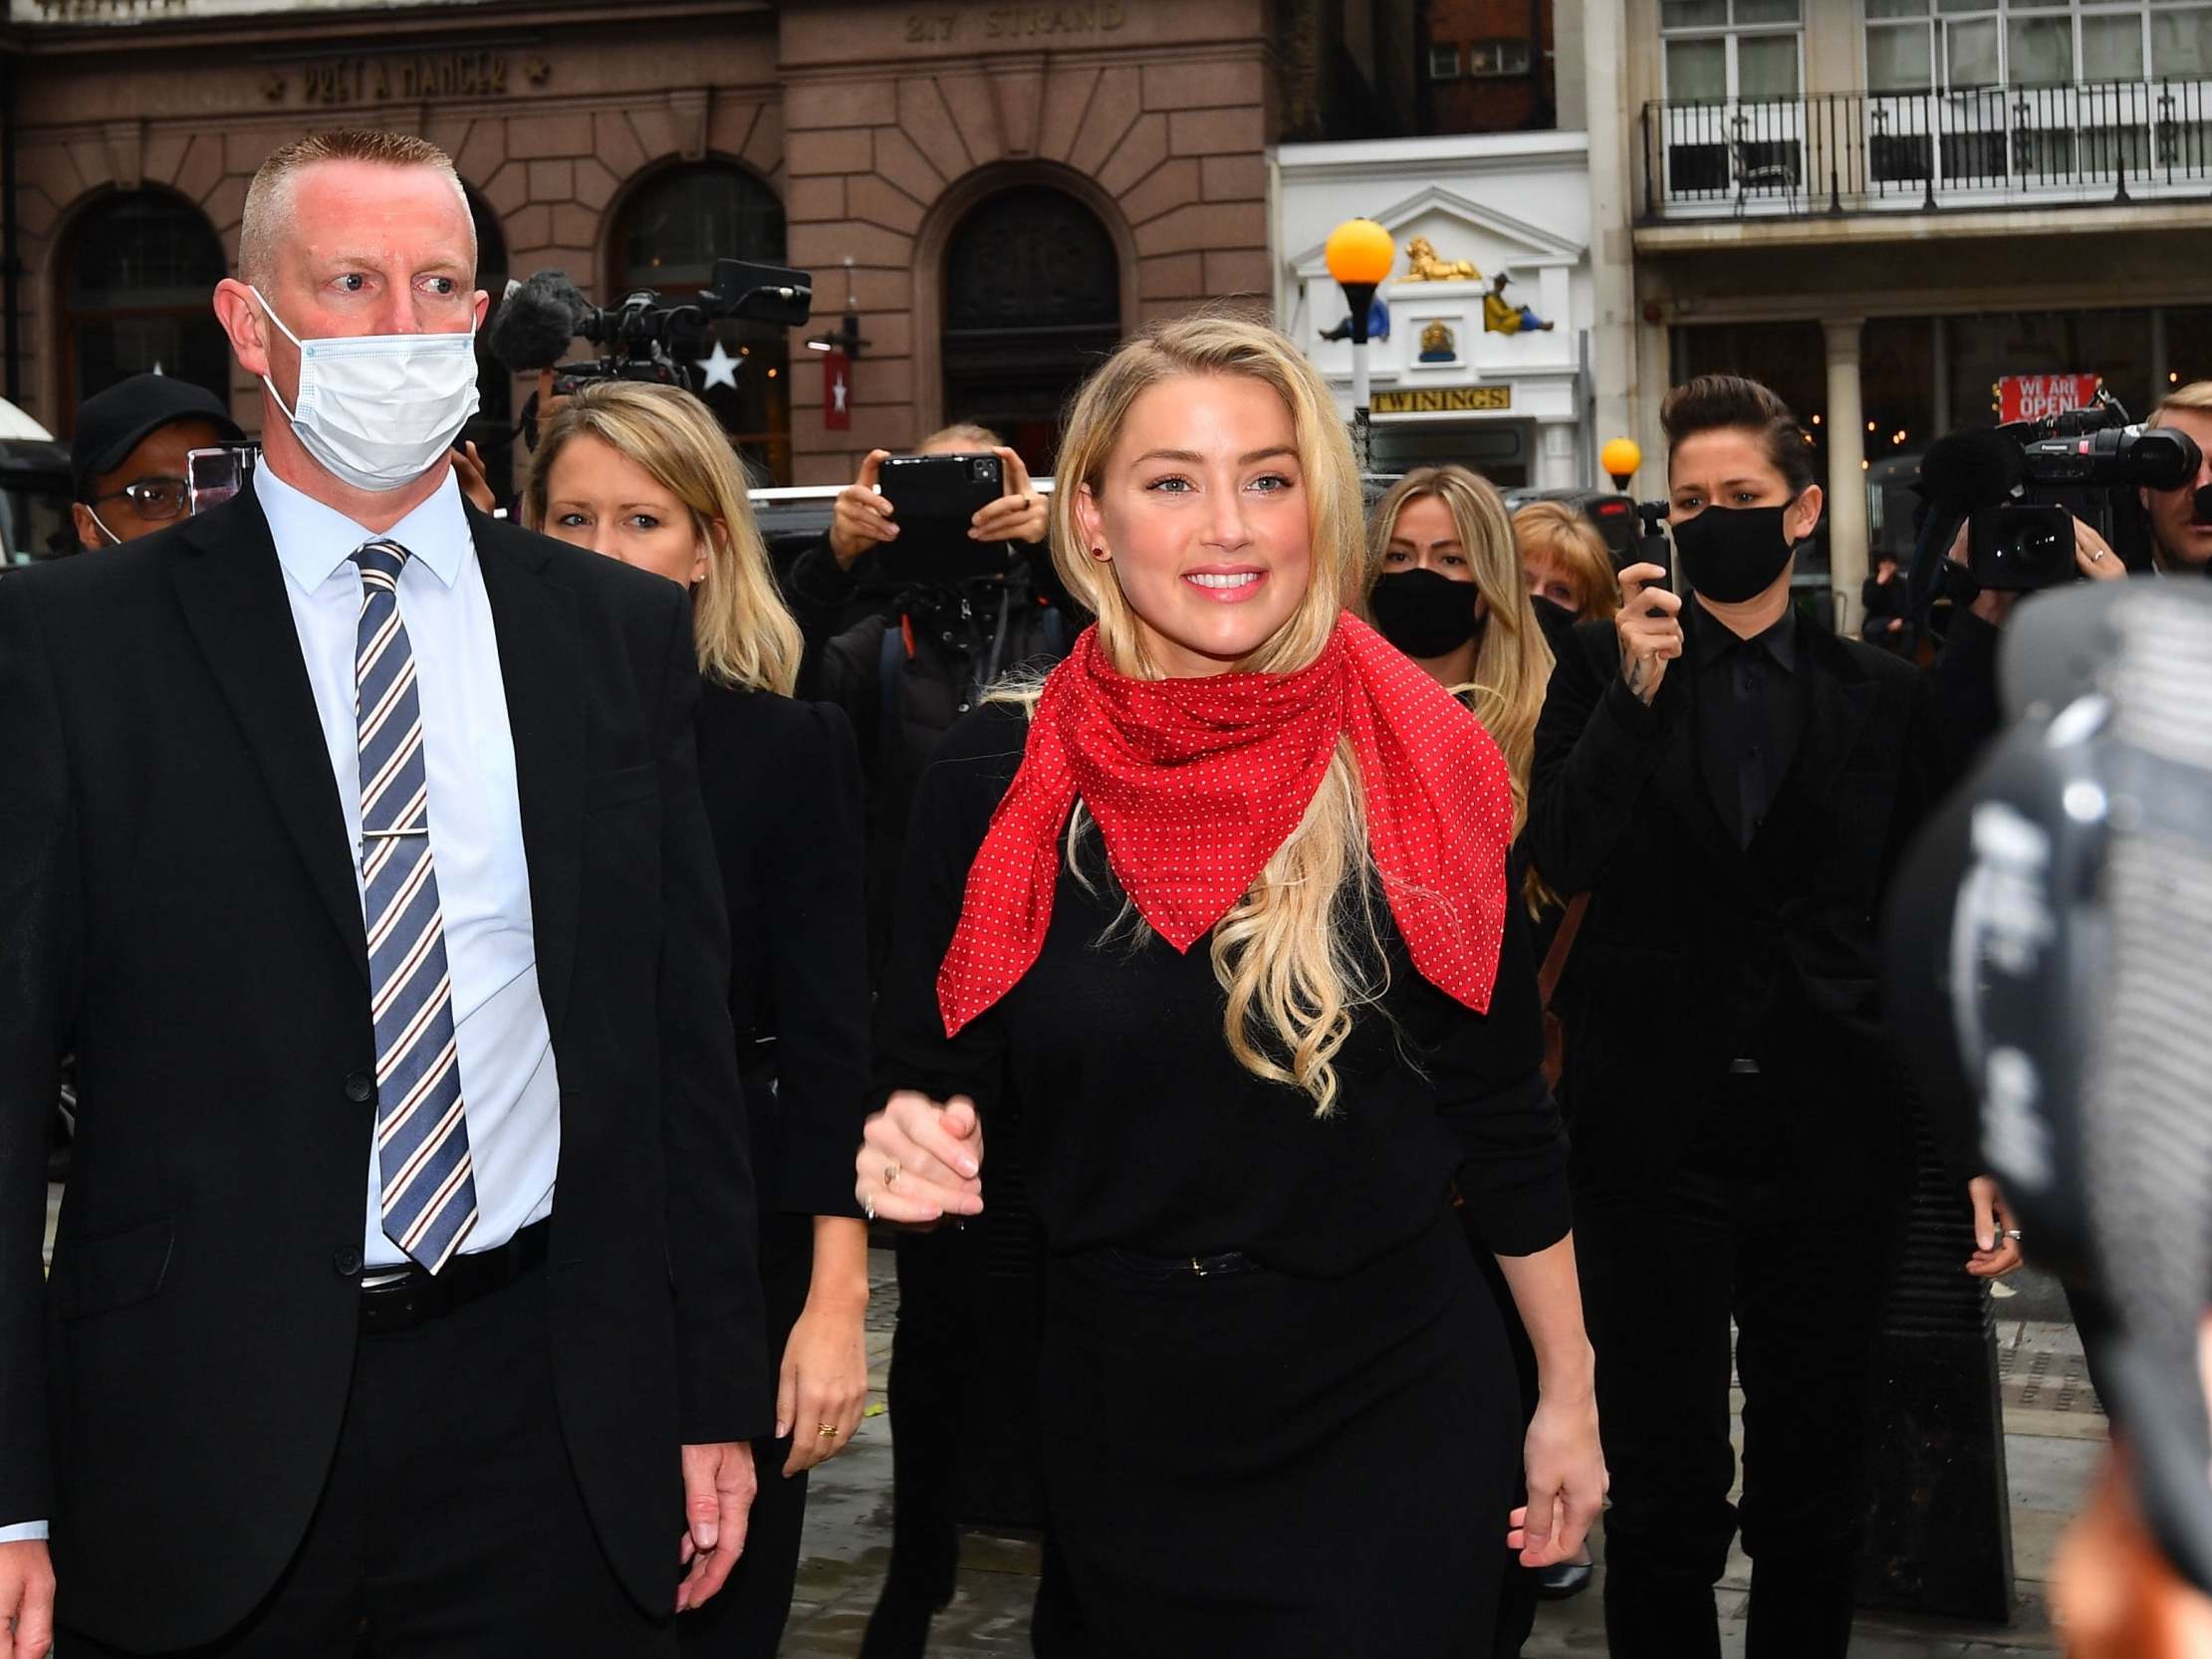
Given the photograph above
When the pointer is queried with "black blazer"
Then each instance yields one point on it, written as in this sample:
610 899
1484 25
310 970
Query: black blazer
177 905
782 781
1695 952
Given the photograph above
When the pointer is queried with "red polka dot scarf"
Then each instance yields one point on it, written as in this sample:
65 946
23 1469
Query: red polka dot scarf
1194 783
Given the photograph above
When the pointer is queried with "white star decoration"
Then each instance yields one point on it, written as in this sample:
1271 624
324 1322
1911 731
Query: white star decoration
719 367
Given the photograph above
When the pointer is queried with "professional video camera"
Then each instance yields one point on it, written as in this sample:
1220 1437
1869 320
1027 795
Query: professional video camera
2018 485
641 337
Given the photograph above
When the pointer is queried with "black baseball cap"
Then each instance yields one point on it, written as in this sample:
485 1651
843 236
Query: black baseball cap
111 423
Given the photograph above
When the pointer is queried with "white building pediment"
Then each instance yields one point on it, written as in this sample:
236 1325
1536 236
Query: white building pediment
1460 228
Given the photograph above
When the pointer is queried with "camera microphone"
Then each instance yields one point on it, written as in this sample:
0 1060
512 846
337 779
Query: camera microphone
1966 470
537 321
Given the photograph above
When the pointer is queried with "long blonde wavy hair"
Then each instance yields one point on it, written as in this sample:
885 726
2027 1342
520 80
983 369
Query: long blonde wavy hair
1299 954
1512 665
744 635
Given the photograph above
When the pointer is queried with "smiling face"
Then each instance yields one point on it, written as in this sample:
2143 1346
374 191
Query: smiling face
598 498
1201 508
1424 538
1729 466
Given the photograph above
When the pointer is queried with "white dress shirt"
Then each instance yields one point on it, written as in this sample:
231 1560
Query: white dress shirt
511 1096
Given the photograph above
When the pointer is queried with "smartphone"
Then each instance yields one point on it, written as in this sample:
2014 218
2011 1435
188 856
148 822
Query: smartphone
933 500
213 476
1649 545
946 487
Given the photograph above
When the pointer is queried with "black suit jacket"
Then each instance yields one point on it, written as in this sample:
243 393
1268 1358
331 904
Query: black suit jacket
177 905
1695 952
782 781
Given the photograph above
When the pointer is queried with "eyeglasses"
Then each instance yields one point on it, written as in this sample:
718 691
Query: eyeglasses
154 498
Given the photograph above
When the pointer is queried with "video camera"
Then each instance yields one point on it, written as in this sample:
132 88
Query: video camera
2020 485
641 337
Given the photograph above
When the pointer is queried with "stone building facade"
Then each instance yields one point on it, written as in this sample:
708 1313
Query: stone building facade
998 189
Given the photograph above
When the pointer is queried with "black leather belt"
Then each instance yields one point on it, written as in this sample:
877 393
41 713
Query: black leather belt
416 1297
1164 1269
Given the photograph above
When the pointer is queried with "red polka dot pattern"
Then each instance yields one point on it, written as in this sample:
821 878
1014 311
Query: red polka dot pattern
1194 783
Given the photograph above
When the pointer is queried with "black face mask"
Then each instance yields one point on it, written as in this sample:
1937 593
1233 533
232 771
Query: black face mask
1423 613
1733 554
2200 506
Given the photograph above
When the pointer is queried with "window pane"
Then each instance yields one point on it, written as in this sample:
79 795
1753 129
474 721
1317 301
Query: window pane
1693 14
1896 8
680 224
1766 66
1970 54
2181 42
1897 59
2111 48
1768 11
1947 7
2041 51
1696 69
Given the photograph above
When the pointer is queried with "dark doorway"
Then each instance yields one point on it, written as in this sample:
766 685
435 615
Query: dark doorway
141 270
667 238
1033 304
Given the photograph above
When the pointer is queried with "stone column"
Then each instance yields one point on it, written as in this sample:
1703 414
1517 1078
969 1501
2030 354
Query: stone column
1615 385
1846 468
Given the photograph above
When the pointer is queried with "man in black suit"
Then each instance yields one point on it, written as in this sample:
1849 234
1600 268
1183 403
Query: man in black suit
1733 784
404 1299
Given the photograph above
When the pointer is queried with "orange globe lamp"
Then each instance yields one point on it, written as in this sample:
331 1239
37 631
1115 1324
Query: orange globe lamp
1360 254
1620 457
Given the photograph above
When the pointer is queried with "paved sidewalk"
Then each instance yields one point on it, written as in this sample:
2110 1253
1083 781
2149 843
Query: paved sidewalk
2054 1434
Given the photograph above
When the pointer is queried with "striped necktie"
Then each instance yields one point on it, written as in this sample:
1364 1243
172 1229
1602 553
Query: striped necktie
422 1154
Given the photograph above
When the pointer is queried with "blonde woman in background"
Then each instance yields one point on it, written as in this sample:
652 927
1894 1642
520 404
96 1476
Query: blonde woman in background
1567 560
644 474
1223 901
1446 586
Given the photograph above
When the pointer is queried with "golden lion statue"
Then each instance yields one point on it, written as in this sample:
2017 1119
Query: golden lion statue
1422 265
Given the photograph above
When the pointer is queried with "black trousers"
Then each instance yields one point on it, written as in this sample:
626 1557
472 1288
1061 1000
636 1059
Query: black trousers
1741 1230
451 1525
746 1620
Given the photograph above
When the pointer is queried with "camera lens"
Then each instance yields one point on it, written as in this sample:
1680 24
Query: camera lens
982 469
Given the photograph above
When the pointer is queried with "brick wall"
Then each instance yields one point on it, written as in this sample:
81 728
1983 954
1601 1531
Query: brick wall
1156 117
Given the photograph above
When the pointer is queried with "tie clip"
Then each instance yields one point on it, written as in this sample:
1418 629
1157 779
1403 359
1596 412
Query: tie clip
393 834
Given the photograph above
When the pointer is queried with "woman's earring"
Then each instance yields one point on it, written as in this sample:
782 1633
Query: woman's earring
1100 555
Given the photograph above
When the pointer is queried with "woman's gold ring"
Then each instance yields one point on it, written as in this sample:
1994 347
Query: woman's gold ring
827 1431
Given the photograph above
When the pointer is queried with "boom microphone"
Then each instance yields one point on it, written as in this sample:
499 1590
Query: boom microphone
537 321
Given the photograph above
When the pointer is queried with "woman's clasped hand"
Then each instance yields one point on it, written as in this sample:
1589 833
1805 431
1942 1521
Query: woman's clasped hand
920 1162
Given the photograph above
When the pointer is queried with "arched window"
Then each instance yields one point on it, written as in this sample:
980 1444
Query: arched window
138 288
668 237
1033 302
493 428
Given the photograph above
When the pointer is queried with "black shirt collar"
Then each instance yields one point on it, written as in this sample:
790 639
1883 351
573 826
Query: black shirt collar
1711 639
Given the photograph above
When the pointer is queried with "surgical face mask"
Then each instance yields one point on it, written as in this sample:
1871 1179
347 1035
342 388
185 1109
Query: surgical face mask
1733 554
1425 613
377 410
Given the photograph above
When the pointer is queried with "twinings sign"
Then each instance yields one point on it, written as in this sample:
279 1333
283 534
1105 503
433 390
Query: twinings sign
415 78
1442 400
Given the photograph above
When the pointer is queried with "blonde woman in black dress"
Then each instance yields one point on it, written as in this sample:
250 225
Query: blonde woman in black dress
1278 1414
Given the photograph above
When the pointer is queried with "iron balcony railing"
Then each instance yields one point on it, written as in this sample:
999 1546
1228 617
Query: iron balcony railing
1850 152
